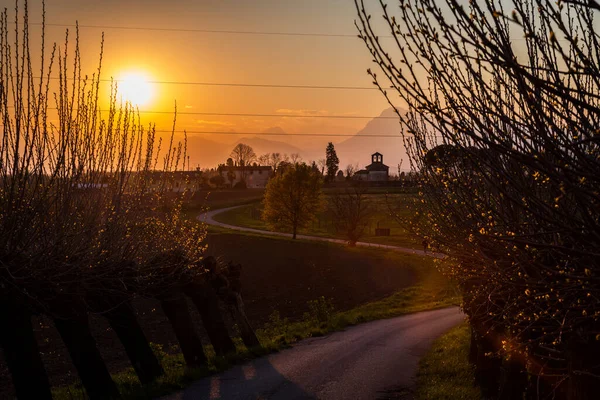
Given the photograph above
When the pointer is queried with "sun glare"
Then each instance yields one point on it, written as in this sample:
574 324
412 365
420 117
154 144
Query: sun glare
135 88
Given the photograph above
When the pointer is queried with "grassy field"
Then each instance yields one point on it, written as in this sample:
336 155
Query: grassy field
385 208
325 288
445 373
221 198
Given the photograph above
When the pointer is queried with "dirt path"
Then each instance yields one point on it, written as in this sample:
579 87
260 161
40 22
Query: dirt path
376 360
208 218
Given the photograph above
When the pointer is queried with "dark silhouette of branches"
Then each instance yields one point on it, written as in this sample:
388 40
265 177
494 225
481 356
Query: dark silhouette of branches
84 211
503 129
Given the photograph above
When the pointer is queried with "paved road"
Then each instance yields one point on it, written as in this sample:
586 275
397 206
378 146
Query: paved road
208 218
375 360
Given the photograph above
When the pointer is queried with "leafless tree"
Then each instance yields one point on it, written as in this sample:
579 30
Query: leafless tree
350 170
322 163
351 211
511 90
243 155
295 158
275 160
78 200
264 159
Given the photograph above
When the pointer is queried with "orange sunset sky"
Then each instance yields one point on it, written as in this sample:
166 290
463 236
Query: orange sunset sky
155 41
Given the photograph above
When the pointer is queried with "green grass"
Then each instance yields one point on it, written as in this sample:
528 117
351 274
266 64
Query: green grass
221 198
177 376
445 373
431 291
384 207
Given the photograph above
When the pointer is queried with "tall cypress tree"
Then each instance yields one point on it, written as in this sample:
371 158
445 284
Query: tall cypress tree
332 162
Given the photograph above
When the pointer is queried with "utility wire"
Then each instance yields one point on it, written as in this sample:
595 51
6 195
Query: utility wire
213 114
282 134
267 115
218 31
232 84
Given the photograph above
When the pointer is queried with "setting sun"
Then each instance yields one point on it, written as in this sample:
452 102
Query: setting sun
135 88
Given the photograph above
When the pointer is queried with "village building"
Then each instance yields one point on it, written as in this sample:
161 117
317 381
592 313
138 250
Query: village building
255 176
376 171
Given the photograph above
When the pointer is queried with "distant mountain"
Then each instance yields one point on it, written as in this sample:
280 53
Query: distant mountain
260 145
207 153
276 130
358 149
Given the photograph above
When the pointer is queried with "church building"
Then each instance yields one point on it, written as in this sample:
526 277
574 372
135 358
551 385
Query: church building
376 171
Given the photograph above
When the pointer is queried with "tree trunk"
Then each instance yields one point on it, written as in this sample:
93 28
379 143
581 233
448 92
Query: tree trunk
207 303
487 366
125 324
583 368
513 384
248 336
21 353
176 309
82 348
295 228
473 350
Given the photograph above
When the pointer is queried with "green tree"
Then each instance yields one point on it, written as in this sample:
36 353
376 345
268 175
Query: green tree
332 162
292 198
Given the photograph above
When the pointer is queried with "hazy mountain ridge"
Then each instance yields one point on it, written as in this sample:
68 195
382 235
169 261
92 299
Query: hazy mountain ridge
356 150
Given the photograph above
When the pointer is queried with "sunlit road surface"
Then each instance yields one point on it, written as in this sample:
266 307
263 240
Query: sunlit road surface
375 360
208 218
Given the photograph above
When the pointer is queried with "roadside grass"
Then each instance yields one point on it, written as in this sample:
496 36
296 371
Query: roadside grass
385 209
445 373
177 376
431 291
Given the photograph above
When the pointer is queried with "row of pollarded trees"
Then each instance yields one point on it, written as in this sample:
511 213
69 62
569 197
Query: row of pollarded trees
510 89
84 229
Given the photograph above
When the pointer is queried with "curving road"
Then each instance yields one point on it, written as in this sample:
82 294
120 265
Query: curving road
208 218
375 360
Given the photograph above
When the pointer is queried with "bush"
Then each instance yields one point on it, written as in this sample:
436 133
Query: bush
319 310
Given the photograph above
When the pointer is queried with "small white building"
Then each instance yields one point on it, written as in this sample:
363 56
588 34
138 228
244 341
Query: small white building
376 171
255 176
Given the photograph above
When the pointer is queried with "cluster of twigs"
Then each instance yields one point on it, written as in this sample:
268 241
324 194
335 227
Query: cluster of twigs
503 125
81 203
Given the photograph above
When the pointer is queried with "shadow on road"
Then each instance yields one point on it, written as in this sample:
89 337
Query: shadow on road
245 382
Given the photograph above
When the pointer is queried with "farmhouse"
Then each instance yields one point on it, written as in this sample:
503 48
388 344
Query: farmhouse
376 171
256 176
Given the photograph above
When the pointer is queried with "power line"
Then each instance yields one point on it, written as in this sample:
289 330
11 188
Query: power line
267 115
233 84
217 31
282 134
214 114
